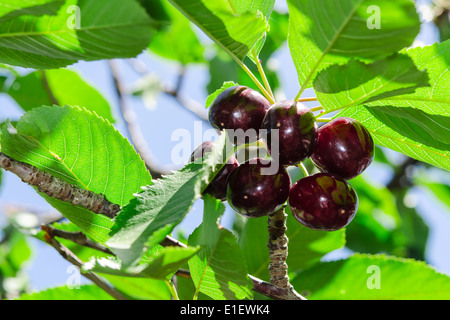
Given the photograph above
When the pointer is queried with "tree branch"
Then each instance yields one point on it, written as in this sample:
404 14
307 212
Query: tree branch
265 288
72 258
260 286
278 252
58 188
133 128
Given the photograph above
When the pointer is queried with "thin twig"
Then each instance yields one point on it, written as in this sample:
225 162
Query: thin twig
180 78
72 258
47 89
133 128
76 237
187 103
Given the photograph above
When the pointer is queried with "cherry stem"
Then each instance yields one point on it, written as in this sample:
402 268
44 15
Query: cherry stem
172 289
302 166
318 108
262 73
307 99
324 119
255 80
325 112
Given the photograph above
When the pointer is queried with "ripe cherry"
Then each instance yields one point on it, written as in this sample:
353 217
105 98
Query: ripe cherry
323 202
218 186
344 147
297 131
254 193
239 107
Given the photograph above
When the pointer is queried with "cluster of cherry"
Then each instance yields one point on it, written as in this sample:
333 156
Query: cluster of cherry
341 150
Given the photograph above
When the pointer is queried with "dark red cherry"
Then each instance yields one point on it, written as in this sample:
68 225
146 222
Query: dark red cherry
344 147
258 187
239 107
323 202
218 186
297 131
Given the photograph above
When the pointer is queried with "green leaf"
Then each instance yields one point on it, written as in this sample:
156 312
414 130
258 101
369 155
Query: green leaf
177 41
67 87
416 124
253 6
407 130
135 288
79 30
342 86
161 264
157 11
356 278
17 8
153 213
84 150
306 246
84 292
140 288
264 7
219 269
162 205
236 34
214 95
376 225
326 32
223 68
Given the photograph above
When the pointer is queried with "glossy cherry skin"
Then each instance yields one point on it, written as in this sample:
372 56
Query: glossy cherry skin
344 147
323 202
239 107
254 194
297 131
218 186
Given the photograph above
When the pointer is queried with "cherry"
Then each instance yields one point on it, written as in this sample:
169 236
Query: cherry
323 202
218 186
239 107
297 131
253 193
344 147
